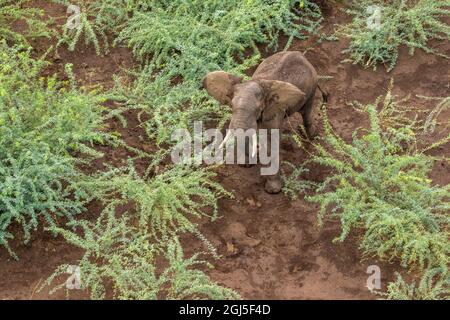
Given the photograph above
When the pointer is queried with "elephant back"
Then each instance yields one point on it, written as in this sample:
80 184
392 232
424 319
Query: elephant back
291 67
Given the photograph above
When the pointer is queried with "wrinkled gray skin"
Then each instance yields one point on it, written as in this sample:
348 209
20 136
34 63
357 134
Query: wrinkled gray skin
282 84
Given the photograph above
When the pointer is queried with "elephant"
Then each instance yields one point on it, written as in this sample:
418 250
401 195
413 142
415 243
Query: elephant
282 84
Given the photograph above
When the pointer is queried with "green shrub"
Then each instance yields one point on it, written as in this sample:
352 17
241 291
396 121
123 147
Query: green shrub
165 203
432 119
41 122
434 285
380 184
432 122
118 254
208 35
167 107
293 184
87 26
12 11
403 22
97 20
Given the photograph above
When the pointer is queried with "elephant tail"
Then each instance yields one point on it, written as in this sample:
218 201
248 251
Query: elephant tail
325 95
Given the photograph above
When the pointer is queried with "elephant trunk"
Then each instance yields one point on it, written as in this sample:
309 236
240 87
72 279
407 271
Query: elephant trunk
244 122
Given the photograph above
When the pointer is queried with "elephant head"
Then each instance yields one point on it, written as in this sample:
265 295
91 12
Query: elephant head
252 100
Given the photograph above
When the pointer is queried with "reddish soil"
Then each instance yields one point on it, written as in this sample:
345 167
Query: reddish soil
271 246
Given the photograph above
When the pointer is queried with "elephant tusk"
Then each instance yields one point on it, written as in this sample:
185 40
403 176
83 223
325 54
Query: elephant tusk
254 145
227 137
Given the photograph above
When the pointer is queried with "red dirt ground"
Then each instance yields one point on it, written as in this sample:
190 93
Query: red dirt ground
272 247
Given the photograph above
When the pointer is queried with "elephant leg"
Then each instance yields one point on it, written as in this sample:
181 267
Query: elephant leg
306 112
273 183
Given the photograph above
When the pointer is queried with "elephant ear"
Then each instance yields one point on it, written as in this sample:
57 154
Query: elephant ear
219 85
280 97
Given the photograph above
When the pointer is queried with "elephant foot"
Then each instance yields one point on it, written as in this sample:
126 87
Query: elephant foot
273 185
311 132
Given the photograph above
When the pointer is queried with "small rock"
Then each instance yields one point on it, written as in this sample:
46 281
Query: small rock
254 203
231 249
251 202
